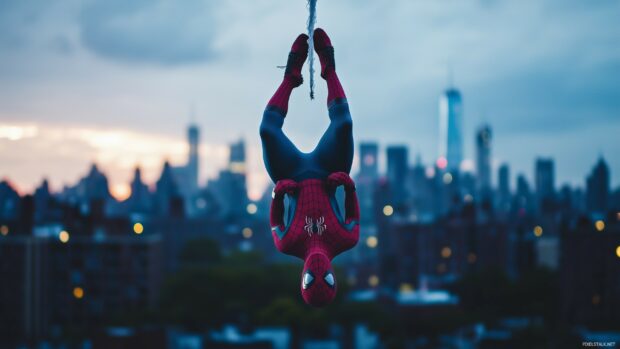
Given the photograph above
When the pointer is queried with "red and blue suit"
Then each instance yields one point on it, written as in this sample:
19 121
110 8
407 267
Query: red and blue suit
314 229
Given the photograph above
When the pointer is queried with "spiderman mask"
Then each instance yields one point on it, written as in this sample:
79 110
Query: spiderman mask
315 230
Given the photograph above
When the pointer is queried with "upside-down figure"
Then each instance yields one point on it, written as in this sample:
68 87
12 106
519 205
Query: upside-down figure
314 230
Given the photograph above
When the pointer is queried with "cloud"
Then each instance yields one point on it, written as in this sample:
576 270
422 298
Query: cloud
145 31
20 22
545 70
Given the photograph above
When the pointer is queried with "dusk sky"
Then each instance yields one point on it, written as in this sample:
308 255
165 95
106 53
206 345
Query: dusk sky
114 82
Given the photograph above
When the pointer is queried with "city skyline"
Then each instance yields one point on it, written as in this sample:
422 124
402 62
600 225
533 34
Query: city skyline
481 210
258 182
79 91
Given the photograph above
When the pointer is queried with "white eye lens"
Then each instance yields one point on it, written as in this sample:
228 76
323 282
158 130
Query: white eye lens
308 278
329 278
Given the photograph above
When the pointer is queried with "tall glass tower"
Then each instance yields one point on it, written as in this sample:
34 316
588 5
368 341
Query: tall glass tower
369 166
397 171
483 160
193 138
451 128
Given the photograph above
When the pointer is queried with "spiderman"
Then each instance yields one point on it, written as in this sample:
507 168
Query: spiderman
314 230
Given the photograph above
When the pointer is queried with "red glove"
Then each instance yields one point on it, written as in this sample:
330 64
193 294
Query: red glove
285 186
351 204
337 179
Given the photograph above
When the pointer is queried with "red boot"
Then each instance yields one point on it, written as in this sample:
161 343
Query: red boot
325 50
292 75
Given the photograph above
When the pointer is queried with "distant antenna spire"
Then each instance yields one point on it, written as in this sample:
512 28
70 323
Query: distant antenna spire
192 113
483 115
450 76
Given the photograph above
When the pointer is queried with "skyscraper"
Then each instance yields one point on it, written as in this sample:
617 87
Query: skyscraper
229 189
91 192
420 188
503 179
186 176
369 167
140 198
483 162
237 167
193 138
503 187
397 169
597 185
236 160
523 194
545 182
366 179
166 191
451 128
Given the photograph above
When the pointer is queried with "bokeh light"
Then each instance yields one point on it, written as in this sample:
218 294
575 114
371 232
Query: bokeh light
373 281
78 292
138 228
471 258
63 236
406 288
247 233
442 162
372 241
538 231
388 210
251 208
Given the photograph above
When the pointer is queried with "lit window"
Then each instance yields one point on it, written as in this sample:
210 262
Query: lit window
406 288
251 208
471 258
237 167
138 228
442 163
78 292
372 241
388 210
538 231
373 280
247 233
599 225
63 236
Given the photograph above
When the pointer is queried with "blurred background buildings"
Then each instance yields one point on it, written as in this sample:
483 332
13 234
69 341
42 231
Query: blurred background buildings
490 202
447 258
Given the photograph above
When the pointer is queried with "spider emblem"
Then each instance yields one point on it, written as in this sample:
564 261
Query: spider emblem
315 227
